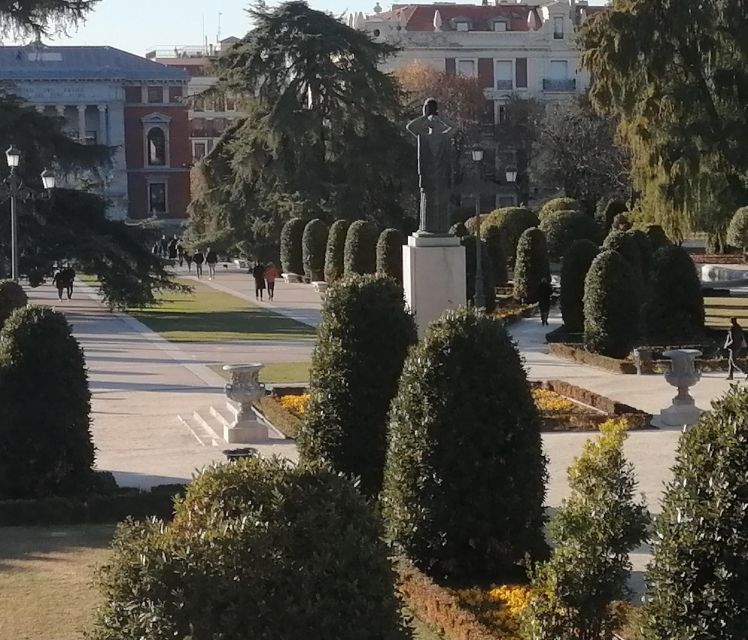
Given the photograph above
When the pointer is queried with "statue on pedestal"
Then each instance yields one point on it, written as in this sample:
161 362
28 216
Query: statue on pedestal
434 137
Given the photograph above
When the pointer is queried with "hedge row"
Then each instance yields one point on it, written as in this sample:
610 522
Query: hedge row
578 353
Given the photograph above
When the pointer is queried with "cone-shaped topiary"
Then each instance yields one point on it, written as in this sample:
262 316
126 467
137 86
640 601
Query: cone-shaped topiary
45 437
360 248
657 236
334 267
313 245
361 345
495 251
610 306
574 268
561 228
489 284
510 222
674 309
258 549
465 476
559 204
290 246
621 222
531 265
390 254
606 212
698 579
737 231
627 245
12 297
645 251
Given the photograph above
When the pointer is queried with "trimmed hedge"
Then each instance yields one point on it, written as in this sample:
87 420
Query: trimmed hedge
561 228
291 237
578 353
606 212
12 297
464 424
531 265
274 412
361 345
495 250
313 245
334 267
627 245
574 268
489 284
610 307
621 222
510 222
559 204
657 237
390 254
646 252
737 230
360 248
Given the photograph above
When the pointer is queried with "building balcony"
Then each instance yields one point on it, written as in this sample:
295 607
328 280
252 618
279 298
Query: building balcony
554 84
505 85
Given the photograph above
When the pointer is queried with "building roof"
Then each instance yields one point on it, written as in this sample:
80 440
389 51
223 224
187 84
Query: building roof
420 17
35 62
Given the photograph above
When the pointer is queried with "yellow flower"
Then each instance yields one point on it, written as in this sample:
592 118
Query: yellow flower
513 598
295 404
550 402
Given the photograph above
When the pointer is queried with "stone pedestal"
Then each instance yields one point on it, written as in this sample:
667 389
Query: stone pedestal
243 389
683 412
433 276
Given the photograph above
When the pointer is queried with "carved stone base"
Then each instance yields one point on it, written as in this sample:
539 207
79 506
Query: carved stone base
245 433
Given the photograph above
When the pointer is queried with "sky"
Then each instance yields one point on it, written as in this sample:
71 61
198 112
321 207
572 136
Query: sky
140 25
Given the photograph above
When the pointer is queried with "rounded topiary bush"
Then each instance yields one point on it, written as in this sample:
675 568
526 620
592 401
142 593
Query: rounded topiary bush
313 245
465 476
645 250
291 237
674 309
471 262
657 236
360 248
737 230
334 267
559 204
495 251
561 228
574 267
511 223
258 549
362 342
45 437
531 265
606 212
621 222
627 245
610 306
390 254
12 297
459 230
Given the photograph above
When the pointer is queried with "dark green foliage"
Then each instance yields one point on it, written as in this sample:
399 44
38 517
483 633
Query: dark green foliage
313 246
621 222
606 212
561 228
495 251
657 237
465 476
611 306
257 549
645 251
390 254
42 17
335 250
12 297
459 229
737 232
626 244
489 283
360 248
697 581
531 265
511 223
45 437
291 254
361 345
574 267
674 309
559 204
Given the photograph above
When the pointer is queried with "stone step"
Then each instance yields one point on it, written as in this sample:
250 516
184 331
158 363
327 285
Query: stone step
206 436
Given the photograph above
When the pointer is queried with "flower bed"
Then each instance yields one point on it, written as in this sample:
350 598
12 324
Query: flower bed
512 312
578 353
284 408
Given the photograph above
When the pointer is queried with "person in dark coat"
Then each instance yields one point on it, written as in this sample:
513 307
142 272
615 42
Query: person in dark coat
188 260
173 248
180 253
258 273
199 258
734 343
211 259
545 291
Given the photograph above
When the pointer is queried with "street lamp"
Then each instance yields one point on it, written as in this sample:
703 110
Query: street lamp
12 189
479 297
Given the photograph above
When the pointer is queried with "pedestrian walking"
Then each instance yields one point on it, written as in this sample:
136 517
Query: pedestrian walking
58 280
69 279
188 260
199 258
258 273
271 274
545 291
173 248
211 258
734 343
180 253
163 247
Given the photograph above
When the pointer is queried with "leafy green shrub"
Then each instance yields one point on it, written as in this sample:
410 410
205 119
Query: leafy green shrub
45 437
334 267
627 245
559 204
606 212
495 251
531 265
360 248
645 251
291 237
390 254
697 579
489 284
610 306
561 228
674 309
313 245
12 297
510 222
464 424
737 231
657 237
361 345
574 268
621 222
592 534
257 549
459 230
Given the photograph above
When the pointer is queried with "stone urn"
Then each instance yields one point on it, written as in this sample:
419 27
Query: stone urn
242 390
682 375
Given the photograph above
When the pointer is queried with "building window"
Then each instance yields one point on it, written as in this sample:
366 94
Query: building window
500 25
199 150
559 69
230 104
504 74
558 28
156 147
155 95
462 26
175 94
157 198
466 68
133 95
502 114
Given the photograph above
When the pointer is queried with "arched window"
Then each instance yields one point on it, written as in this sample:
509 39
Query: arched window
156 147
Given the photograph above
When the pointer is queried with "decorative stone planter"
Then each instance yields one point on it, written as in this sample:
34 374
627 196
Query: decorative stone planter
320 286
292 278
682 375
244 389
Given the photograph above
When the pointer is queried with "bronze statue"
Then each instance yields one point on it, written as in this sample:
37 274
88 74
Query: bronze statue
434 137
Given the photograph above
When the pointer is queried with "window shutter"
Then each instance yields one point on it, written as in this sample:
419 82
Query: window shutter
485 72
449 66
521 72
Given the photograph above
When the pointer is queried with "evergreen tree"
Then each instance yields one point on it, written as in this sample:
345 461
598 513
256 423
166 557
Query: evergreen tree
335 252
574 267
531 265
42 17
313 246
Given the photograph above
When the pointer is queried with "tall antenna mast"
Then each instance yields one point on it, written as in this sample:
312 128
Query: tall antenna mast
218 35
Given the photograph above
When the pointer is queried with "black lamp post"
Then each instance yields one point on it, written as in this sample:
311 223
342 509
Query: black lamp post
479 298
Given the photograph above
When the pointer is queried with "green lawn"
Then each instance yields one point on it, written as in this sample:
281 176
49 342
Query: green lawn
207 315
276 372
